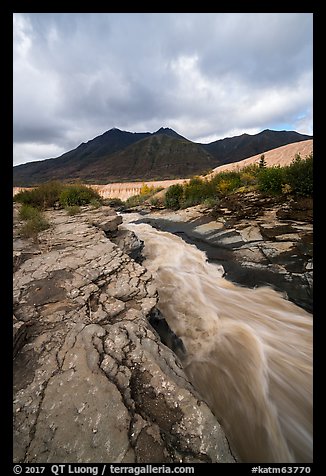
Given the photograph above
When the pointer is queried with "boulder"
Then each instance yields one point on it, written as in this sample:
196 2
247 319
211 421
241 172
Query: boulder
106 219
129 243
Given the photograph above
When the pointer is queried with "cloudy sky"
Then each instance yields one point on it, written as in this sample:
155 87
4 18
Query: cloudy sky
205 75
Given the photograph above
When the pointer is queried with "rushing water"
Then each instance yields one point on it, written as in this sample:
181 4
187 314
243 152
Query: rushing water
249 351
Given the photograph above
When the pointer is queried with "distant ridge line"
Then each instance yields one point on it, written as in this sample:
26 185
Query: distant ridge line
117 155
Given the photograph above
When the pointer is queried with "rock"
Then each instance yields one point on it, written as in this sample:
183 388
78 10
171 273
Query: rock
129 243
20 334
250 233
167 336
92 380
300 209
108 224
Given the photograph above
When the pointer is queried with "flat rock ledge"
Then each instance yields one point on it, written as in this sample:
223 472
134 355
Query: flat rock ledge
92 380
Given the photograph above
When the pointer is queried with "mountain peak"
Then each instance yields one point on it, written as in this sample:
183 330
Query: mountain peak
118 155
169 132
164 129
114 130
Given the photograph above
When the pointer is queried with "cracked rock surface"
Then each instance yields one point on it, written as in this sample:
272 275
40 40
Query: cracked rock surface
92 380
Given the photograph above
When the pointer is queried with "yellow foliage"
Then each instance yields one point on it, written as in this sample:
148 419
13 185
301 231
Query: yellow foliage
286 188
248 178
224 186
146 190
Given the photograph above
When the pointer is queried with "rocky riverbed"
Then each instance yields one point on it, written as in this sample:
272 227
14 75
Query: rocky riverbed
258 240
92 380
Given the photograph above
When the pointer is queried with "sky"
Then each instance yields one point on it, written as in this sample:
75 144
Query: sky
206 75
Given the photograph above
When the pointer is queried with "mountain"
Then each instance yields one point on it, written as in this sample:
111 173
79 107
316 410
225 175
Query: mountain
157 157
117 156
111 141
233 149
169 132
68 165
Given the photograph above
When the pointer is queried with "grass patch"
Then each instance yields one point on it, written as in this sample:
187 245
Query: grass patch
73 210
211 202
113 202
34 221
33 226
155 202
145 194
42 197
95 203
49 194
77 195
27 212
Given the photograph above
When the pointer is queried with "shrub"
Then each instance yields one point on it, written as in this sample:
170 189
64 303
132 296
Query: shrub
252 169
77 195
154 201
24 196
95 203
135 201
198 190
211 202
173 196
299 175
146 190
145 193
113 202
73 210
28 212
224 186
35 222
195 192
227 182
189 202
41 197
249 174
271 180
33 226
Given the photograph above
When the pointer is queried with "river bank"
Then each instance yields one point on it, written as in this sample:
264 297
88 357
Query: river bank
258 240
85 315
247 351
92 381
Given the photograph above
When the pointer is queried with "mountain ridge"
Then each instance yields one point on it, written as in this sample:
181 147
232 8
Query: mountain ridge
247 145
118 155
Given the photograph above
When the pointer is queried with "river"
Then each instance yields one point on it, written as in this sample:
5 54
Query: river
248 351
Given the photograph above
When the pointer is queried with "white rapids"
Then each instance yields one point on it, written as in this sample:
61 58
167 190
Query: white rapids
249 351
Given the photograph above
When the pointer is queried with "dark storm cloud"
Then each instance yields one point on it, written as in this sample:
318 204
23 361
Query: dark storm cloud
29 132
206 75
262 49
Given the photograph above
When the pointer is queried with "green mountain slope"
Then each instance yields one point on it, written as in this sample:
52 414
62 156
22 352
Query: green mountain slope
117 156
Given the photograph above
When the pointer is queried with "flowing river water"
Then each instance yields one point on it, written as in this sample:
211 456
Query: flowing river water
248 351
